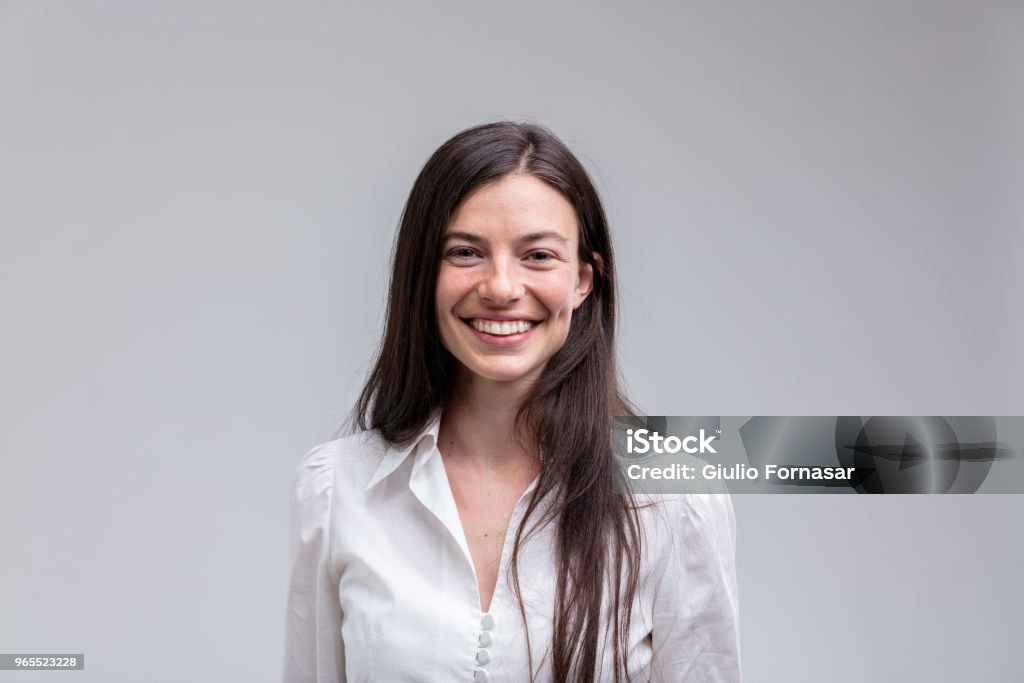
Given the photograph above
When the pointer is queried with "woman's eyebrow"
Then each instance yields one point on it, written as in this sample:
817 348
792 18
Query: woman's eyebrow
537 236
467 236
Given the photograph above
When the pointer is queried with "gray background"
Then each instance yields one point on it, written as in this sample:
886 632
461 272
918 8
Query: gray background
817 210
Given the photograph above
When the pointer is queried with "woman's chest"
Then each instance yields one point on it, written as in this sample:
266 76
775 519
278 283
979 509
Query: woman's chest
409 594
485 513
411 609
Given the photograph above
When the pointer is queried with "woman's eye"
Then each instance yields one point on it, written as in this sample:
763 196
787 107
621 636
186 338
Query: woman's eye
462 252
541 256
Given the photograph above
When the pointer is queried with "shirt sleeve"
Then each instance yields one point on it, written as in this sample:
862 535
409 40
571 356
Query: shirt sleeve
313 648
695 625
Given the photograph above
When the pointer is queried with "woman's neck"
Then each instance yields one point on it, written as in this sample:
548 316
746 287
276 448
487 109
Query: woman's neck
478 427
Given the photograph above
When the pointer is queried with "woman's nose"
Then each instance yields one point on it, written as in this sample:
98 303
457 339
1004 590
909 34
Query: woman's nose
501 283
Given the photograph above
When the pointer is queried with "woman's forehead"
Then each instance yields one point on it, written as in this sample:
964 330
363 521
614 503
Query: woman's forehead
517 206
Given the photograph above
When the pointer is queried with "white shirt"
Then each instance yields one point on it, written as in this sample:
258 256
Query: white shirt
383 587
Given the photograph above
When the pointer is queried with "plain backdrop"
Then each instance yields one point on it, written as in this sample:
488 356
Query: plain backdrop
817 209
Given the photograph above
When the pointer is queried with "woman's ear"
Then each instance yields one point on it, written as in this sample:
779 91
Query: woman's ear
585 279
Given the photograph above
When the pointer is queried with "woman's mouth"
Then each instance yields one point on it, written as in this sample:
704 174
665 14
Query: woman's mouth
501 328
502 332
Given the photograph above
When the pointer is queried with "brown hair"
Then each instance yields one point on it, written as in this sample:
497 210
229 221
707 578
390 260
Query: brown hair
569 409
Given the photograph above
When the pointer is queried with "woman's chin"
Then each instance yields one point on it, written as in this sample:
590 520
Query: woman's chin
502 374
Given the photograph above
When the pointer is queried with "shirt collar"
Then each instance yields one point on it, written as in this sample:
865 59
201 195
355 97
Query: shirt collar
422 445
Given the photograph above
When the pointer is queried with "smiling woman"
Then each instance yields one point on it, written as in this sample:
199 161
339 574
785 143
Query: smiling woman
506 293
470 531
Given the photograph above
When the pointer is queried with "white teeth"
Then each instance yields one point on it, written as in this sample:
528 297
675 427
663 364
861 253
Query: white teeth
502 328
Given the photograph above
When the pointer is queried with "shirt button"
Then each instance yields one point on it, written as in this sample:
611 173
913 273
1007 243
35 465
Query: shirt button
483 656
485 639
480 676
487 622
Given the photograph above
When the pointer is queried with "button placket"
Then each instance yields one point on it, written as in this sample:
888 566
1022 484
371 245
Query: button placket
486 637
483 655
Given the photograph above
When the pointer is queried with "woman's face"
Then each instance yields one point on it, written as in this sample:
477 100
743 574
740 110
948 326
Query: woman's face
510 278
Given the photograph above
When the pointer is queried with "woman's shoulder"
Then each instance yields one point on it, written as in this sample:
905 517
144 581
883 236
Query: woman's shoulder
665 516
351 459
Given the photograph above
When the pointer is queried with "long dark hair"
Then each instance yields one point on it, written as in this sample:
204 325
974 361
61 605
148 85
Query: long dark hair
568 410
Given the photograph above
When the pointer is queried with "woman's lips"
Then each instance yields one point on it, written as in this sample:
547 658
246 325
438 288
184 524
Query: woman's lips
511 339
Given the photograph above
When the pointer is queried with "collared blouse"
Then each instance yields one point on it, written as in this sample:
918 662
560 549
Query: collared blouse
383 587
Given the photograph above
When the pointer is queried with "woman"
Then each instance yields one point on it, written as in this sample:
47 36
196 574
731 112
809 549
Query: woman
470 532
